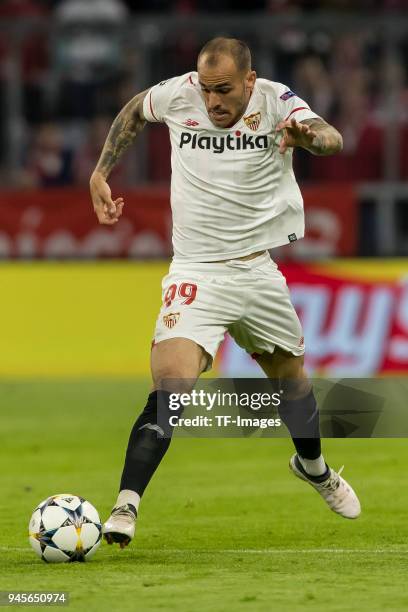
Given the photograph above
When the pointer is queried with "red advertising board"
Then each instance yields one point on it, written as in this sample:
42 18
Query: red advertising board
60 223
354 315
331 221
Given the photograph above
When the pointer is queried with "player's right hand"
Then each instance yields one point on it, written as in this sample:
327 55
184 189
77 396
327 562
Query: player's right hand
107 210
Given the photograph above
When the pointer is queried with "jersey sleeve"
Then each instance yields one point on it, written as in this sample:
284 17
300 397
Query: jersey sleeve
158 99
290 106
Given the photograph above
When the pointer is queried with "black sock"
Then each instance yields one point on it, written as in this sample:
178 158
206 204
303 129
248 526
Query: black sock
149 440
301 417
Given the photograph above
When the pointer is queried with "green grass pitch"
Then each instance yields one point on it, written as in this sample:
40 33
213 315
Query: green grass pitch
224 526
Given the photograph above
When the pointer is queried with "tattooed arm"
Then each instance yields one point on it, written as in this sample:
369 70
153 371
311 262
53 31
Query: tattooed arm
327 140
315 135
122 134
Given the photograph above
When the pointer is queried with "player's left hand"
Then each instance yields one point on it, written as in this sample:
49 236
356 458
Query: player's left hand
295 135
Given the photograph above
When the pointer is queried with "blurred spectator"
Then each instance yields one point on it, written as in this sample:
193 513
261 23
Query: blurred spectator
33 56
35 64
363 145
21 8
312 83
48 162
77 11
87 52
396 5
87 155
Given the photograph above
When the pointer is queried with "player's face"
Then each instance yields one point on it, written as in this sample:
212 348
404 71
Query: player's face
226 91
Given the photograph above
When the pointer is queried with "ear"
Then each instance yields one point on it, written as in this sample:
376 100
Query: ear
250 80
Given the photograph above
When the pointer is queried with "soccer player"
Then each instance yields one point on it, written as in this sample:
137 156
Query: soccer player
233 197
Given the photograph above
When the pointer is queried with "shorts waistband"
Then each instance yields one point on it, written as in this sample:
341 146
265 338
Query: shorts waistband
222 268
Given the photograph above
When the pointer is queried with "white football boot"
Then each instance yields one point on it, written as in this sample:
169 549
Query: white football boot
120 526
336 492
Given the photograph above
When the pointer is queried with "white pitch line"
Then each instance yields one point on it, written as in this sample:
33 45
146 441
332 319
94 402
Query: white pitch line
277 551
252 551
284 551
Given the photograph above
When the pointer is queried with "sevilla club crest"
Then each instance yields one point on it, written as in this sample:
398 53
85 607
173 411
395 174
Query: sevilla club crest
171 319
253 121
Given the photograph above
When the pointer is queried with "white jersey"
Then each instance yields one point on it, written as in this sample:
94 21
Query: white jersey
232 192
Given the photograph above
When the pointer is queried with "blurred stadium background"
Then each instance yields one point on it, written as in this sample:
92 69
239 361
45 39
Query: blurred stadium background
66 69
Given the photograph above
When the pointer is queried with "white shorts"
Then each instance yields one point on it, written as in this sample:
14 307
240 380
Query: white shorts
249 299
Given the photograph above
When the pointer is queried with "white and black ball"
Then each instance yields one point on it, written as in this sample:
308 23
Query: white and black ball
65 528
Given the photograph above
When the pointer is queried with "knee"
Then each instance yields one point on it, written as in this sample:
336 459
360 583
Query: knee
174 377
173 380
176 364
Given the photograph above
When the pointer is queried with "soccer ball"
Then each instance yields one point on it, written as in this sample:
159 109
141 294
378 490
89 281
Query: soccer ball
65 528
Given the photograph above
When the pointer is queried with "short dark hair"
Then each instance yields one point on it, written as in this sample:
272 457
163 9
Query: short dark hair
237 49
